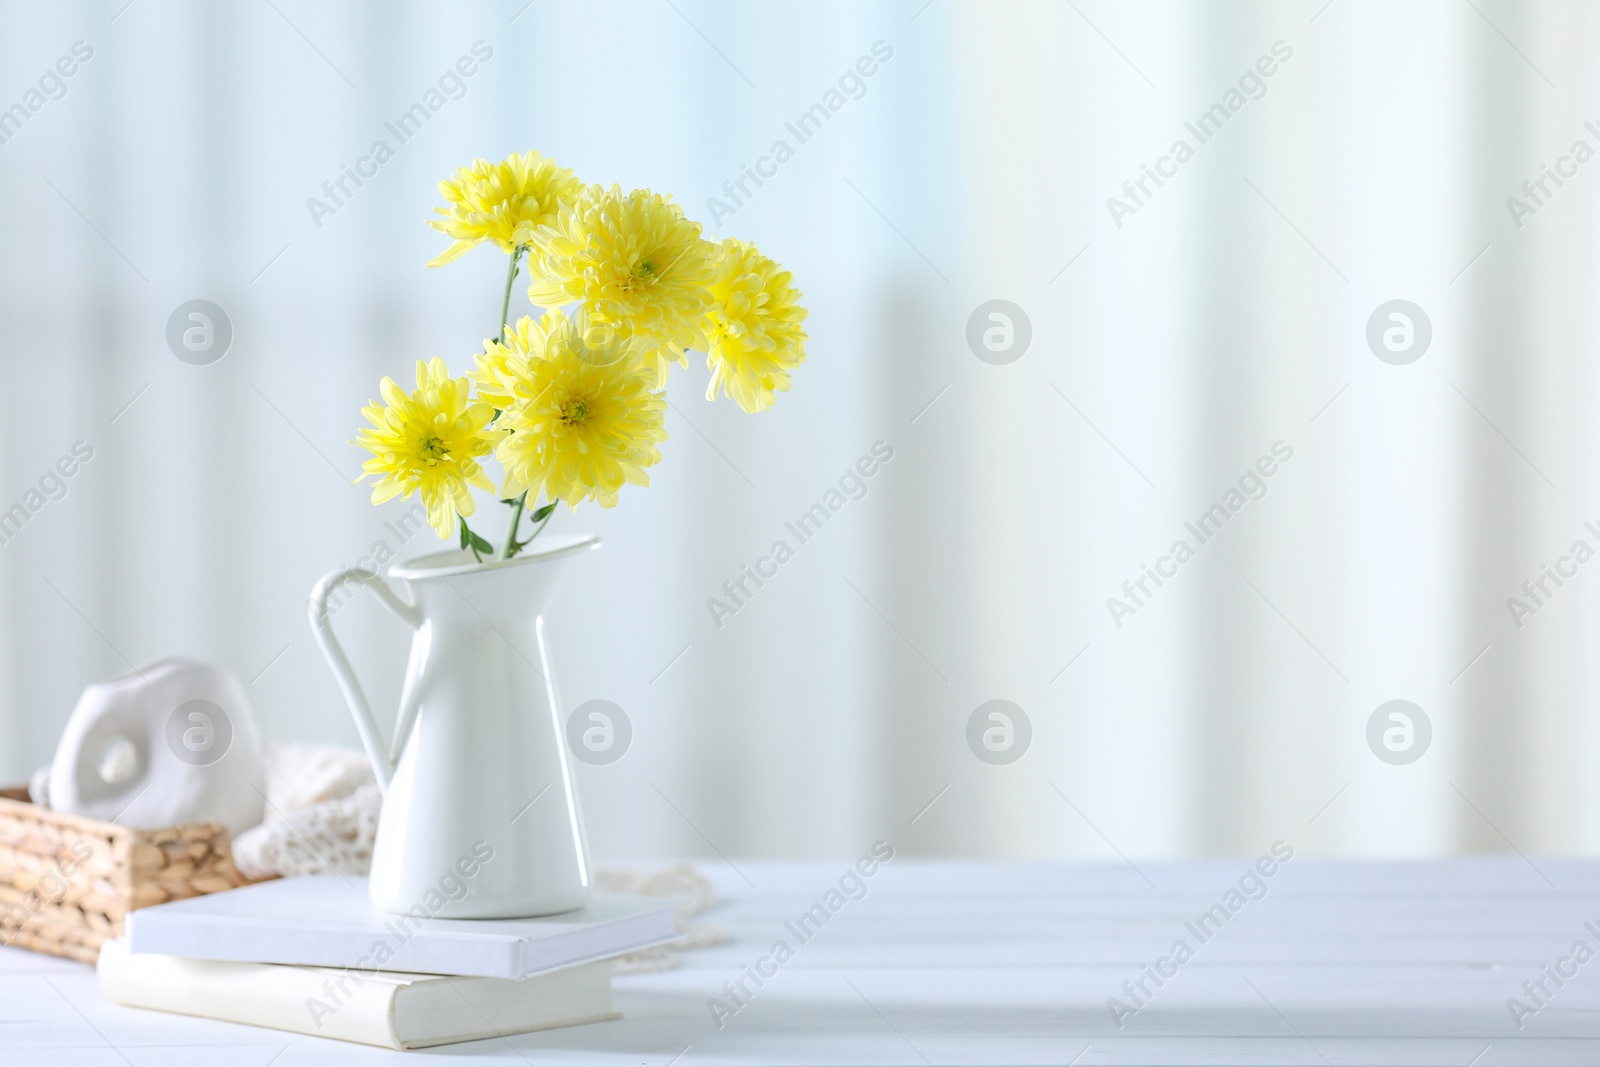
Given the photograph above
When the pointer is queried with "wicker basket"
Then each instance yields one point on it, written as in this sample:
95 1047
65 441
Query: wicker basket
67 882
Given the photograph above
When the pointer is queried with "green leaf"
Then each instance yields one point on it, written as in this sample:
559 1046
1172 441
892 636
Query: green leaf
543 512
471 540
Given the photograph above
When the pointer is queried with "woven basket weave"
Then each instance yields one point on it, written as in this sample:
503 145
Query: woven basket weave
67 883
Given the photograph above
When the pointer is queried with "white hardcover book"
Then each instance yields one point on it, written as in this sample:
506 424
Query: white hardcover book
326 921
397 1011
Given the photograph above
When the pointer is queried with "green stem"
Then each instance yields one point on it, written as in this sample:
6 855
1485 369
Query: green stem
509 549
505 301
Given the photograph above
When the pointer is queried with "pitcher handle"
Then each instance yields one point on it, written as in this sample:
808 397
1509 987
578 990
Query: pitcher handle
339 663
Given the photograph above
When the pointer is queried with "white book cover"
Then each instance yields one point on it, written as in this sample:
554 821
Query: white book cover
398 1011
328 921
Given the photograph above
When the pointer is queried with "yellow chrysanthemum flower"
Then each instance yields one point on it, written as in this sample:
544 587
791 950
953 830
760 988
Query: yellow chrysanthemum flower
429 443
753 333
493 374
584 418
501 202
636 263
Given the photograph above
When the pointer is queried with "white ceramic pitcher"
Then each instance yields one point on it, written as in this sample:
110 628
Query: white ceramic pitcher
478 760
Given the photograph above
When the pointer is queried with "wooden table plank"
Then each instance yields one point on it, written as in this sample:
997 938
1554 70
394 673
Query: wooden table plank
969 963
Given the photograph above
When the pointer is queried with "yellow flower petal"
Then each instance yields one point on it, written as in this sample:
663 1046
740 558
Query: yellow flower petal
638 266
501 202
428 442
582 419
753 327
454 252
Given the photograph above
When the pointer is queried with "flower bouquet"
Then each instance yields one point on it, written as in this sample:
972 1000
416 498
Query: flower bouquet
572 405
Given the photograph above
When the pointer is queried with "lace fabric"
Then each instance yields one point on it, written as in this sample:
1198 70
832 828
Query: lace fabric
321 817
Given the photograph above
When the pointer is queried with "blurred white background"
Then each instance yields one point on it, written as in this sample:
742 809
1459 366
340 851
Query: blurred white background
1227 313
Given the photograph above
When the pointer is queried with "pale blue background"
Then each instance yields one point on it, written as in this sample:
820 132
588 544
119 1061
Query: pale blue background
1170 354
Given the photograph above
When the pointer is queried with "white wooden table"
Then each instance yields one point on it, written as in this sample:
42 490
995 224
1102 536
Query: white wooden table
944 963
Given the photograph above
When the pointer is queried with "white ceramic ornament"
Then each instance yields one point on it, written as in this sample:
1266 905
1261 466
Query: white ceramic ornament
170 742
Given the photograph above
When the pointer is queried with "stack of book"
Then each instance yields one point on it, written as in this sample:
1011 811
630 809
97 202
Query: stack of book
315 956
